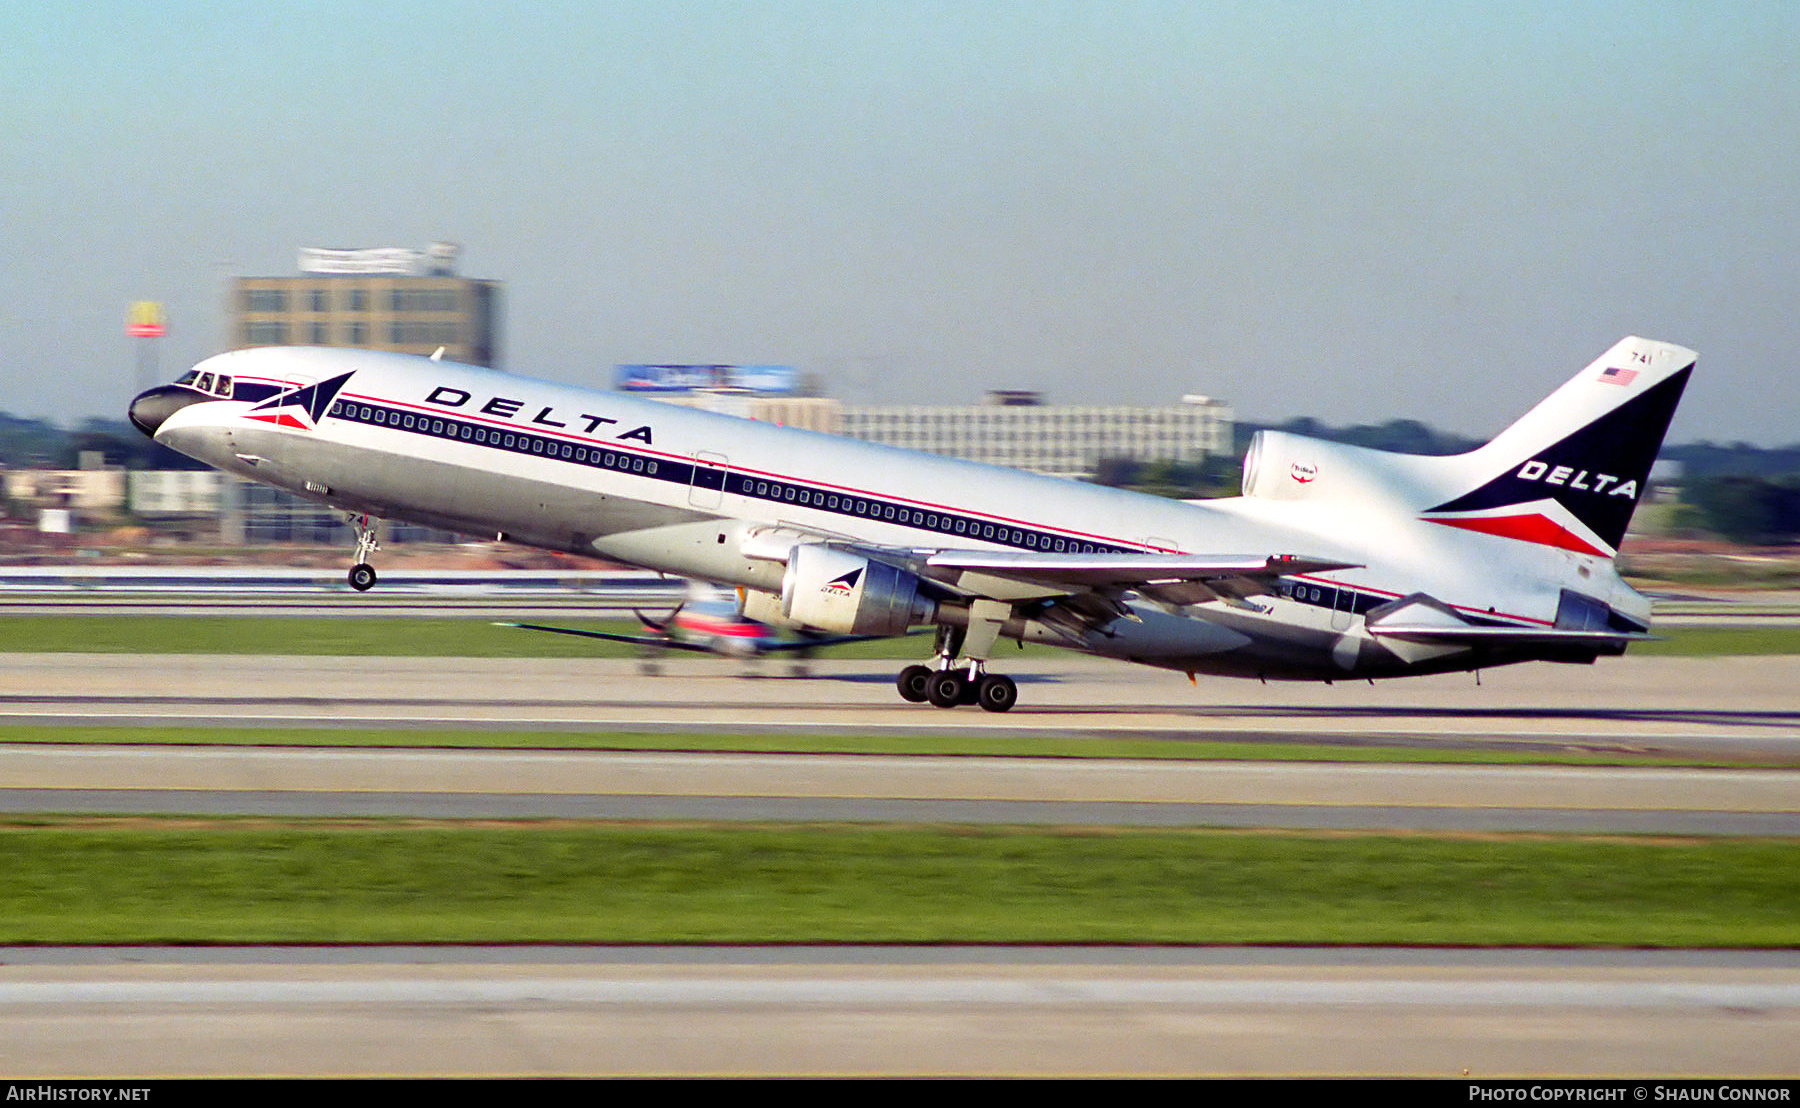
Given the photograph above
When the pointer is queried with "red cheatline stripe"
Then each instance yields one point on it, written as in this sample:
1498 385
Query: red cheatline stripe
1530 528
280 420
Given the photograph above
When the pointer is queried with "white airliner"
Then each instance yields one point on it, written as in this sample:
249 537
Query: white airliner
1336 562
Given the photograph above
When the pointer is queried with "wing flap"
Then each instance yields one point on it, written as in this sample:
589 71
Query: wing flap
1177 579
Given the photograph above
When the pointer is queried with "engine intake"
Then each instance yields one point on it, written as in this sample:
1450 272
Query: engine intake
847 594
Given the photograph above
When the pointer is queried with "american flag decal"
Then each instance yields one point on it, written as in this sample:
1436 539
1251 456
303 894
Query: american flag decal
1618 376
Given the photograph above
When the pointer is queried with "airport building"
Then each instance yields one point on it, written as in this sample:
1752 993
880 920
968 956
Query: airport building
809 413
1012 427
391 298
1017 429
769 393
207 505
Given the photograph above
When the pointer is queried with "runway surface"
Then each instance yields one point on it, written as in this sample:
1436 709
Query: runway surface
1744 705
1105 1011
1654 705
851 1011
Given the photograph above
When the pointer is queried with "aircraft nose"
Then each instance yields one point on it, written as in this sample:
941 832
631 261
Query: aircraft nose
153 406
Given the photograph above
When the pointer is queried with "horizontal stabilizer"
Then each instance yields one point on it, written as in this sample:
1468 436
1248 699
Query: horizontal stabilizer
1423 619
1471 635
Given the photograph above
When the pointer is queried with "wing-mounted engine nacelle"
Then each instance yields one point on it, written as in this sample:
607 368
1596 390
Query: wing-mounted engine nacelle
847 594
765 607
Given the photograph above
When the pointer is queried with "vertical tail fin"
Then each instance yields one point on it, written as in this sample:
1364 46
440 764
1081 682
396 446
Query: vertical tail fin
1570 472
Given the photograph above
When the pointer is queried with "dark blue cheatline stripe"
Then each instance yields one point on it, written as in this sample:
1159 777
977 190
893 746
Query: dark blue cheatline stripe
1329 596
875 508
857 506
255 392
513 441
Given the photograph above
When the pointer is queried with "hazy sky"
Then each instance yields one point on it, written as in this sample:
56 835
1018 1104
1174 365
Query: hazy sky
1357 211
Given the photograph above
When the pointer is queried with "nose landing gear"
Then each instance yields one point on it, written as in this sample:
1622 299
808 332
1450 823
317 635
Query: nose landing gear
362 574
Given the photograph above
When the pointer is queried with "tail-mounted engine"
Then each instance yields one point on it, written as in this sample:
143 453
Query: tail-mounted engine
847 594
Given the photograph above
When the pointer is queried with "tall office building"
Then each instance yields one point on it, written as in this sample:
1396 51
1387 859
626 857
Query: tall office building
391 298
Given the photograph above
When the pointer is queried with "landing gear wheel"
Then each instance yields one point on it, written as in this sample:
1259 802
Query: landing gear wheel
362 574
996 693
912 682
946 688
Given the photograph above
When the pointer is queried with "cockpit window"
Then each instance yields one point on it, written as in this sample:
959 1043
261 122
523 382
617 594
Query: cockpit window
213 384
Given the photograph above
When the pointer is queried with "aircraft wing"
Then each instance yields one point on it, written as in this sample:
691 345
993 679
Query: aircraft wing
678 644
825 640
635 640
1175 579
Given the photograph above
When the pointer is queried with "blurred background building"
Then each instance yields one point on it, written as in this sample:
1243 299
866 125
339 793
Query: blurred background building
1011 427
1016 428
387 298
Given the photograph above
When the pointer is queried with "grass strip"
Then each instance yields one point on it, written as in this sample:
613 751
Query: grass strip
357 636
1552 751
402 636
1700 642
71 880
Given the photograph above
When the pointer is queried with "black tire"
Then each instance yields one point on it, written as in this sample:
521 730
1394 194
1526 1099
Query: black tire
996 693
912 682
362 577
946 688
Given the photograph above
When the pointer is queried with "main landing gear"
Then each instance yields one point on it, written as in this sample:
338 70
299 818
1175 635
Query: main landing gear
948 688
952 681
362 574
